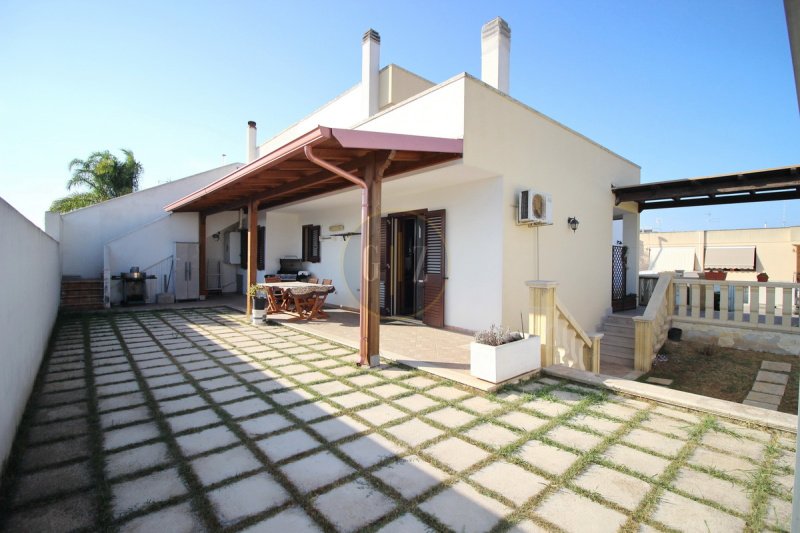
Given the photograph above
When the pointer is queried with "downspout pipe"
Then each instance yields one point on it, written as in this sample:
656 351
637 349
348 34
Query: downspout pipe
363 303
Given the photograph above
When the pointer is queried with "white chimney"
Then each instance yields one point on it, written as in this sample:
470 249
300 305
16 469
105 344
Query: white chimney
370 75
252 149
496 54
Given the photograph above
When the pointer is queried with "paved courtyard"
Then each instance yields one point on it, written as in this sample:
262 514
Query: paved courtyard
193 420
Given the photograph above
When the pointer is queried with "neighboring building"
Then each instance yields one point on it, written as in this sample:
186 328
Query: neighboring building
741 253
486 256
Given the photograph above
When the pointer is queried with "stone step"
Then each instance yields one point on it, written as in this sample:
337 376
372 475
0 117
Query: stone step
619 331
619 320
612 360
616 340
609 350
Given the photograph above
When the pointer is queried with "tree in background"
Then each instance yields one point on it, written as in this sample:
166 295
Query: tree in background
105 176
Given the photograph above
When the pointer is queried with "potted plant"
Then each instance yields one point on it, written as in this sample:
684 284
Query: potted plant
498 354
762 277
716 275
259 296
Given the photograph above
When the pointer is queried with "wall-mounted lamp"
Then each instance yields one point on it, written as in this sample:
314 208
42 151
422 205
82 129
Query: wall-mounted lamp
573 223
215 236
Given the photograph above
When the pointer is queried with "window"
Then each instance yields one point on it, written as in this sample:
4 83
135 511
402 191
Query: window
259 248
311 243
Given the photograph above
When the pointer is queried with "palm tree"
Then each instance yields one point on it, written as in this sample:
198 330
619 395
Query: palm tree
105 176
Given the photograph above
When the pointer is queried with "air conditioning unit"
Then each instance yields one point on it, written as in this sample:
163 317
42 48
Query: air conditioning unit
534 208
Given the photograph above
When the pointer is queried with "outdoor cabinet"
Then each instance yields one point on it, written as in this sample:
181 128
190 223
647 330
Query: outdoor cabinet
187 271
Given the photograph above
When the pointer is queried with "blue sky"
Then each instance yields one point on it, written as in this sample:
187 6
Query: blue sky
682 88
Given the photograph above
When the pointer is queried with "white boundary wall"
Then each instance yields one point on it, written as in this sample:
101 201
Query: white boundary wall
29 297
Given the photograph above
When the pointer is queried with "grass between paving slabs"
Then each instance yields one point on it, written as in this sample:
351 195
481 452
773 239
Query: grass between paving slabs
225 341
724 373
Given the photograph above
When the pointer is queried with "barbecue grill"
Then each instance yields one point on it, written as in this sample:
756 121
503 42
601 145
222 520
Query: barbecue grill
290 270
134 288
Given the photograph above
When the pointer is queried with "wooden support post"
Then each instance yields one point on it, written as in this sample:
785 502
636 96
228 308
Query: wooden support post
201 268
252 248
542 317
369 346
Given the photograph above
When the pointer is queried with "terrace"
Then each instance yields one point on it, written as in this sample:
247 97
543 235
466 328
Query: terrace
194 419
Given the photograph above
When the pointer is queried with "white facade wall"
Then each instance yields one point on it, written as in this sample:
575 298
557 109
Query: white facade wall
84 232
532 151
148 245
29 300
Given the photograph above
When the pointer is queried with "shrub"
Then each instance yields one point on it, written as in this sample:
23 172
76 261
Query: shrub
495 336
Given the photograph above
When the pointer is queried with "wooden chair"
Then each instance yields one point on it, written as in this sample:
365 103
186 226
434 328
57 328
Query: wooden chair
312 280
274 295
327 282
314 303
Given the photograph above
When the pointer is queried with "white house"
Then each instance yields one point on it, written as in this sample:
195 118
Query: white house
457 214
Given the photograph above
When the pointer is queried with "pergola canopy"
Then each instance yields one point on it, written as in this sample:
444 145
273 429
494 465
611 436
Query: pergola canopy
286 175
756 186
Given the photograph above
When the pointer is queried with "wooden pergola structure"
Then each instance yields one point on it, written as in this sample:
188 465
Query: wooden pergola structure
323 161
756 186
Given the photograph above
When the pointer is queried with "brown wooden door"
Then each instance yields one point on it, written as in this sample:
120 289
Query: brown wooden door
433 313
384 297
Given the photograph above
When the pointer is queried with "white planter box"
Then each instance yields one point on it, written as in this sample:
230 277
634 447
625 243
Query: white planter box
499 363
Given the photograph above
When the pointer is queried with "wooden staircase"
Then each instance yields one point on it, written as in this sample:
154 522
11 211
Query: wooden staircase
81 295
616 348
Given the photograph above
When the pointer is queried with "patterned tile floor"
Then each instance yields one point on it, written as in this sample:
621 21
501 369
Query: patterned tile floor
194 420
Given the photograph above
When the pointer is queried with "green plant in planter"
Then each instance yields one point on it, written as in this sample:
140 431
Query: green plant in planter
259 295
495 336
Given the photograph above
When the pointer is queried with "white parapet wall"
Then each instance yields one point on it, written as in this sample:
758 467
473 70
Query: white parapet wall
29 297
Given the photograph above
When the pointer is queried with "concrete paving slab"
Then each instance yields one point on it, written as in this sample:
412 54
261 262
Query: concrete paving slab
638 461
772 377
447 393
546 407
206 440
769 388
414 432
688 515
779 514
731 465
510 481
523 421
456 453
659 381
775 366
481 405
573 438
769 399
726 443
528 526
574 513
464 509
231 393
419 382
389 390
353 399
451 417
313 411
173 391
316 470
407 523
117 388
175 519
243 408
311 376
615 410
68 514
338 428
117 438
411 476
654 441
291 397
670 426
145 491
61 412
287 444
381 414
371 449
331 387
416 403
492 435
701 485
601 425
761 405
35 457
365 380
57 480
622 489
262 425
57 430
136 459
223 465
568 397
187 403
206 417
545 457
293 519
354 505
246 497
118 402
678 414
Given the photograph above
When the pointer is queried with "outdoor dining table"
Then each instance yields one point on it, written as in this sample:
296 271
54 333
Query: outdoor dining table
300 292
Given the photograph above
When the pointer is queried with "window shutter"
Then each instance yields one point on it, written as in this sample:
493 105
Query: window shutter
260 255
311 246
243 248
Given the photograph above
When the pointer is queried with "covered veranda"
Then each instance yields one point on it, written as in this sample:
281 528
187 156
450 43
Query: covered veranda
322 162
